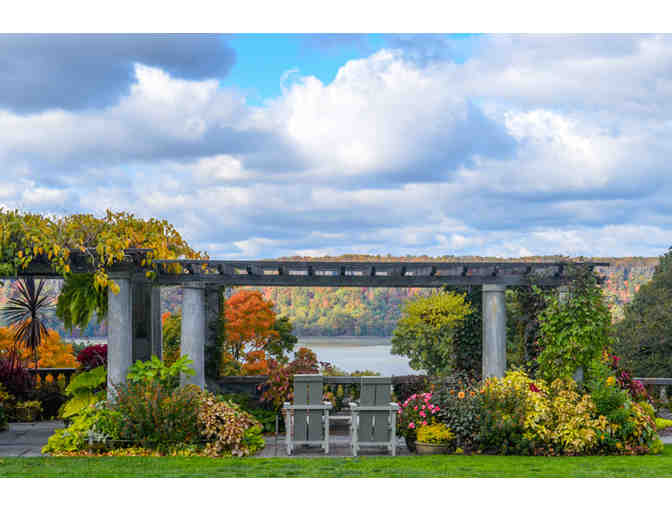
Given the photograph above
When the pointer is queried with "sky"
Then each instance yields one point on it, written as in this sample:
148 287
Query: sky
258 146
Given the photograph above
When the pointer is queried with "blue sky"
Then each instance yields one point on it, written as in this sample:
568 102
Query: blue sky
273 145
262 60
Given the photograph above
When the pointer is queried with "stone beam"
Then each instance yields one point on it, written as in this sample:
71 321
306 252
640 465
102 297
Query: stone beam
494 330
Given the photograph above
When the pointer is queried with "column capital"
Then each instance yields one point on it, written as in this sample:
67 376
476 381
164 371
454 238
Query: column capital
194 285
493 287
123 275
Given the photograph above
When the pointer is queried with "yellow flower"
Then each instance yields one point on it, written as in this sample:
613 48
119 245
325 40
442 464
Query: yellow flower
611 380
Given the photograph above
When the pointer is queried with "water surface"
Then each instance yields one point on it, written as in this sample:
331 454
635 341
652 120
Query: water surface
352 353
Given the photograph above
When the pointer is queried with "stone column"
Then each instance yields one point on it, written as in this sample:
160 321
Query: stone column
194 331
119 333
494 330
155 331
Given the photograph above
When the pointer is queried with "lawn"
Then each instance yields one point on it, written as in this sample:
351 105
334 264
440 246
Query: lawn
415 466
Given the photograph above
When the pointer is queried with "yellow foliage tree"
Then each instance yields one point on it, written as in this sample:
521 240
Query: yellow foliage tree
53 352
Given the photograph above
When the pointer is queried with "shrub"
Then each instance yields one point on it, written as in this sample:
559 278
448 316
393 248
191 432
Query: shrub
635 388
158 370
50 397
28 411
460 407
631 427
76 436
524 416
512 406
662 423
266 417
574 426
150 414
15 378
3 418
438 433
7 402
93 356
409 385
279 386
227 429
84 390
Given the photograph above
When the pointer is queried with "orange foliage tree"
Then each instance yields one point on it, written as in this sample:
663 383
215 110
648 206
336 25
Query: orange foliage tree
53 352
250 321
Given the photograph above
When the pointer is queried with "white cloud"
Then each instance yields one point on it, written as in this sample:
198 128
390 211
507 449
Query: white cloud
536 145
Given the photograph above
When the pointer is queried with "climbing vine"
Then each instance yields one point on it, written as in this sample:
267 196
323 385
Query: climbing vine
84 239
468 340
575 333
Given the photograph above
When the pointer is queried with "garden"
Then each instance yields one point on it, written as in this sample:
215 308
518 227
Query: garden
566 393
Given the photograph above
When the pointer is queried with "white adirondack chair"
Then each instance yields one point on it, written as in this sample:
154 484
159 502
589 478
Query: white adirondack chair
374 419
307 419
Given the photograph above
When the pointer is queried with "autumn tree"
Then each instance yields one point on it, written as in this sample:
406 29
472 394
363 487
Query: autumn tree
254 334
249 323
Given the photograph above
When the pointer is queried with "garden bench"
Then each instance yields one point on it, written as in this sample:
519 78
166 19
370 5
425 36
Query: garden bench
374 419
307 420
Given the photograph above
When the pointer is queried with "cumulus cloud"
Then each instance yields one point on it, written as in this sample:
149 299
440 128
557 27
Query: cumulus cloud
519 146
77 71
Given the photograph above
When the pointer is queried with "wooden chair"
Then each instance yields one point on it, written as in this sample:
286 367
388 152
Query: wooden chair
374 419
307 420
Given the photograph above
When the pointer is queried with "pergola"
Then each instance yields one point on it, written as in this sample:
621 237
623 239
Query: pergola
134 313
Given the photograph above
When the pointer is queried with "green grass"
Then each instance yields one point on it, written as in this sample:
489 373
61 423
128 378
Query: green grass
413 466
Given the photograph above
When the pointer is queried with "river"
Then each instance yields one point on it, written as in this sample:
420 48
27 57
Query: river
352 353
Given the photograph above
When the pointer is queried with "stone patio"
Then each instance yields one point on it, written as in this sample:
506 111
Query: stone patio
26 439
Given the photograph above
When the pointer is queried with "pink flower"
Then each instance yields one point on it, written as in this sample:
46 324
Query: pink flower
422 413
433 411
411 425
412 396
424 406
424 423
415 408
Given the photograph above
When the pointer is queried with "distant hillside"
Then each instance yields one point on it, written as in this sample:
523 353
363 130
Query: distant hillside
375 311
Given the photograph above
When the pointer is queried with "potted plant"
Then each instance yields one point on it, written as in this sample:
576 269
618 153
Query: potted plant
434 439
416 411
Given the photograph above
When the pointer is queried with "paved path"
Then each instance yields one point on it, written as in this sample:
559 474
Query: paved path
26 439
339 446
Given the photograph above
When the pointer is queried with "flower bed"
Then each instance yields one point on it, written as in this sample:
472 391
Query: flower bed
151 415
523 416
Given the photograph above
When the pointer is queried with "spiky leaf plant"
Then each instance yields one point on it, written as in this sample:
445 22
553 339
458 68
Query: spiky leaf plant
25 312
